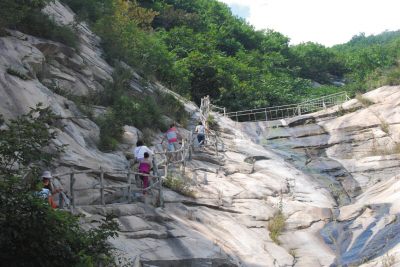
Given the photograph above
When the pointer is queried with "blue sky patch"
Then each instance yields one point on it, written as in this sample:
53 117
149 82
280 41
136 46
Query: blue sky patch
241 11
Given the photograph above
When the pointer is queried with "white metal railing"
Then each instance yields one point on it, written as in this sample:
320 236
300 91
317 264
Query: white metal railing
289 111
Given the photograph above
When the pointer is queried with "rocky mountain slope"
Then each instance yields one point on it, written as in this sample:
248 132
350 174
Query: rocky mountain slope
333 174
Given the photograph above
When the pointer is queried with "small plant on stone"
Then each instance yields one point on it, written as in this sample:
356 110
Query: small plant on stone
58 89
15 72
388 260
342 111
251 160
276 224
385 127
212 123
365 101
179 184
292 251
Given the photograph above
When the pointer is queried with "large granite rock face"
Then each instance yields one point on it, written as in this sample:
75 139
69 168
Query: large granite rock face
333 177
353 152
50 66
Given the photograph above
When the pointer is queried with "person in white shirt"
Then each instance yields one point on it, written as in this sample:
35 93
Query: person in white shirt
43 192
200 137
140 150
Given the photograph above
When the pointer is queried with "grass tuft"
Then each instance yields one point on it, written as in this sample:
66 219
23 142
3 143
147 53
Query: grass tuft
212 123
276 224
179 183
365 101
385 127
388 260
15 72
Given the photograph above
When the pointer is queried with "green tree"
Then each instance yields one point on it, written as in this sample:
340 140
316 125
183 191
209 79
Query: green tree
32 234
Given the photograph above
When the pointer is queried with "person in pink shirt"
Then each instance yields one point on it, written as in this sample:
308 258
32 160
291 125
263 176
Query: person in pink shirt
172 135
144 168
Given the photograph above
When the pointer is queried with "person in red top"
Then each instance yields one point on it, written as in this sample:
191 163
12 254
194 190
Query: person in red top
171 134
144 168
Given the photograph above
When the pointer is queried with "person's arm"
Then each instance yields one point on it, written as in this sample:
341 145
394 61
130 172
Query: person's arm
163 139
54 191
181 136
207 130
48 199
196 129
149 151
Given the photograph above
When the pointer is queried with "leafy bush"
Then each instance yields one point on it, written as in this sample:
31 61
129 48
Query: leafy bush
179 184
32 234
111 130
26 16
276 224
212 123
125 108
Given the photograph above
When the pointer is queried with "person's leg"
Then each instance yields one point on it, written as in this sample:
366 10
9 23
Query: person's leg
199 138
172 148
176 145
145 182
202 141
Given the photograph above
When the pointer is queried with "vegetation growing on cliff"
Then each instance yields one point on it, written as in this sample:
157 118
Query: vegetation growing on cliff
26 16
199 48
32 234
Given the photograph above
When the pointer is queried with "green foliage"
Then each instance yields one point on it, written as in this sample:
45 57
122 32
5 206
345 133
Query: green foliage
12 71
341 111
212 123
360 41
365 101
198 48
316 61
385 127
179 183
13 12
383 76
111 130
26 16
32 234
125 108
22 141
276 224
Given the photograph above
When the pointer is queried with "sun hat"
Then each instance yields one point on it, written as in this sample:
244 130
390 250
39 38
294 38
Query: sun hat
47 175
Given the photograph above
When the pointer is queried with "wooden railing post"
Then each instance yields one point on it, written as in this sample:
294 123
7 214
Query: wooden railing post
60 201
130 185
72 181
155 172
190 145
183 155
102 186
216 145
166 164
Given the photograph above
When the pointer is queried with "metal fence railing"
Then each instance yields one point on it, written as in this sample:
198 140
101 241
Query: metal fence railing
288 111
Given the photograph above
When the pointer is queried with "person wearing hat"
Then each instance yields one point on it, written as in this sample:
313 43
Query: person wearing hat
43 192
49 185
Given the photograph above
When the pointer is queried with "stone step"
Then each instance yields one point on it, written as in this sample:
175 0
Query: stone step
147 234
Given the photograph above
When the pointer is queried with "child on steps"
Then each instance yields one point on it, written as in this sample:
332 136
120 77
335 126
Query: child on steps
144 167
